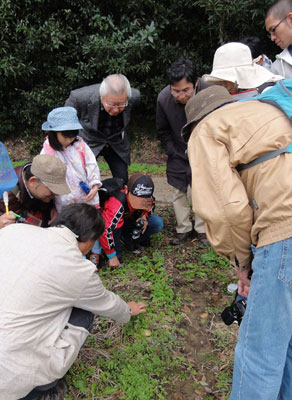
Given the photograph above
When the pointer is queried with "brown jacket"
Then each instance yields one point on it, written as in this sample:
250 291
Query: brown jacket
254 206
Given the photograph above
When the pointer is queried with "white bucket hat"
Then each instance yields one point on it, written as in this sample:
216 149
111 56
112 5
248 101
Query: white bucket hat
233 62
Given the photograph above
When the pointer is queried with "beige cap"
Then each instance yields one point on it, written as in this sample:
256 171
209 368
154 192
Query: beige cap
52 172
233 62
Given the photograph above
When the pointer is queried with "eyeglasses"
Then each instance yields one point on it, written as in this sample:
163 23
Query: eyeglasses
272 31
119 105
187 91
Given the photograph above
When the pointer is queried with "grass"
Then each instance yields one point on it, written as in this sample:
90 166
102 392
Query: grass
178 349
150 169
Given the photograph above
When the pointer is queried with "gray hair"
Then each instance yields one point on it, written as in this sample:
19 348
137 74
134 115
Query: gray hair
115 84
280 9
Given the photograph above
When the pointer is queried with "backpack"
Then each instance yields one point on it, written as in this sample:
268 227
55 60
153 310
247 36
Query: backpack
280 96
112 187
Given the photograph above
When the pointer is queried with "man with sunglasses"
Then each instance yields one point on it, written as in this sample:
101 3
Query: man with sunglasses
183 83
104 111
279 27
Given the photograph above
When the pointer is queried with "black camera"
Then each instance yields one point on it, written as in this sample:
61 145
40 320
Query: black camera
235 312
137 231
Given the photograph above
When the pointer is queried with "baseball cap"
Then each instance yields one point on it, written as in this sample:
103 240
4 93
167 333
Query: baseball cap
141 188
52 172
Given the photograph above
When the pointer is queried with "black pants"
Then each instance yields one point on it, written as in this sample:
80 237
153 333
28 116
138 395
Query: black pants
78 317
117 166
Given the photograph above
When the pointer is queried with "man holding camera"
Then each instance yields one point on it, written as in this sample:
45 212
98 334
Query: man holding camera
246 204
32 197
130 219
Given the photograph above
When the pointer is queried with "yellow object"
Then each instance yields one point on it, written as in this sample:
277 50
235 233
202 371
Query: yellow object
5 199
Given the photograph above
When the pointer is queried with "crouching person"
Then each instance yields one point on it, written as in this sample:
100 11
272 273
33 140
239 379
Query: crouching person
48 292
129 218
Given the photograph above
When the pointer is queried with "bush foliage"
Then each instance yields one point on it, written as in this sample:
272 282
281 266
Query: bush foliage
51 47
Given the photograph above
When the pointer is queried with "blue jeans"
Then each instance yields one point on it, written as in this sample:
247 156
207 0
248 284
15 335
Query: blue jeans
263 355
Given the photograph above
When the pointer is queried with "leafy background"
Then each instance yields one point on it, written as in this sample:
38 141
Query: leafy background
49 48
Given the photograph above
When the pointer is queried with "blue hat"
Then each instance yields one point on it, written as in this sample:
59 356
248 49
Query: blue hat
62 119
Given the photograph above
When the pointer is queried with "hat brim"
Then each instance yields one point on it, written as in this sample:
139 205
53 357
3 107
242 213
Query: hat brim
140 203
187 128
245 76
65 127
58 188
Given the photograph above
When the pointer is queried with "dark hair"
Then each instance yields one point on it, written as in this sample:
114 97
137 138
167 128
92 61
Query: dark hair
181 69
28 174
280 9
82 219
54 142
254 44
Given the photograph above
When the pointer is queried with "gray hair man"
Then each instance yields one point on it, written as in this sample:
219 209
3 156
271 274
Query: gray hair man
104 111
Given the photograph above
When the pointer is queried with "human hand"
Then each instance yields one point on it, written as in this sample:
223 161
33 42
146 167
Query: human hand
136 308
7 219
145 221
53 215
242 289
92 193
244 281
114 262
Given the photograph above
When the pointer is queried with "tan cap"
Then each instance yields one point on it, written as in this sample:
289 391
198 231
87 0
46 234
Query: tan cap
52 172
202 104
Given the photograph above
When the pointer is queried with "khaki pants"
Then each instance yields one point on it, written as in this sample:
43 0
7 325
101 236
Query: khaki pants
182 209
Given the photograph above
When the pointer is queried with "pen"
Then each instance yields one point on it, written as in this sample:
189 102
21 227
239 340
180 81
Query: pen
16 215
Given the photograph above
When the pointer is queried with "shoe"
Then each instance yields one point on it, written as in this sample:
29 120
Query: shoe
58 392
136 251
202 237
180 238
94 258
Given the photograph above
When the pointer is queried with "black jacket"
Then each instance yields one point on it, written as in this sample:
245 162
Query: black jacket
170 118
86 101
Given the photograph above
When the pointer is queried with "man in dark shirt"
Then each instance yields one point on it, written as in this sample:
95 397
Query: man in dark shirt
104 111
183 83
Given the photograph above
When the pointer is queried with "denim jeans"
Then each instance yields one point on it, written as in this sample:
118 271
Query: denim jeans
263 355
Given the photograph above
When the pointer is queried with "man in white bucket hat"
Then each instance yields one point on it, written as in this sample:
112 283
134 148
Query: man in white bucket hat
233 68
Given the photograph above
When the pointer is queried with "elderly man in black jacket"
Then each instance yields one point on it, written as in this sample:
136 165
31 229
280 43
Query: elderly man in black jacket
104 111
183 83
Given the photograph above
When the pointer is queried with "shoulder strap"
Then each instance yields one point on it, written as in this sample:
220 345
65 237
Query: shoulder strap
265 157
